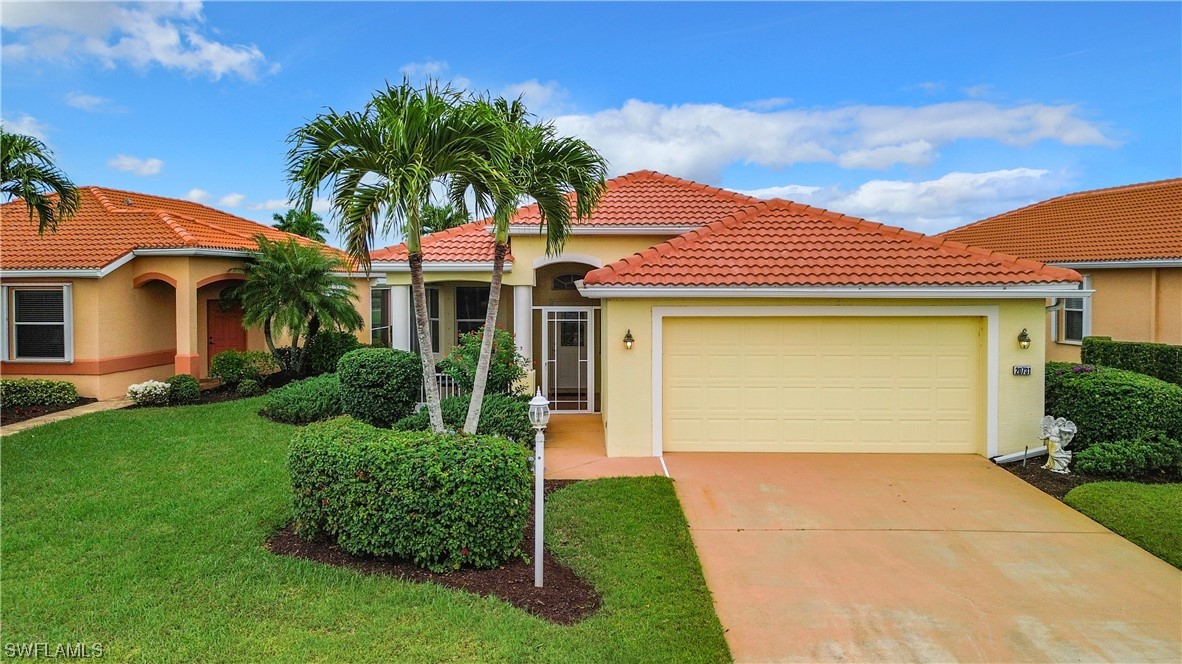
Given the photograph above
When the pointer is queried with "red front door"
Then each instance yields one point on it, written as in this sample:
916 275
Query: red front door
225 330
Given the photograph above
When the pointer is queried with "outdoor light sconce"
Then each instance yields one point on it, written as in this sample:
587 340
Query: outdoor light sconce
628 340
1023 339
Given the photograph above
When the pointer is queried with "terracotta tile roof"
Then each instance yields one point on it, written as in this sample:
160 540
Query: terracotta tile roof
110 223
643 198
780 243
1134 222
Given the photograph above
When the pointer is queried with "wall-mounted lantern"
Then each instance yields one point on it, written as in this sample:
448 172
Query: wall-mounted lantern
1023 339
628 339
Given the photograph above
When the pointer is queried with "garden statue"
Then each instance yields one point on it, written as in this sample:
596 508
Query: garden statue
1058 434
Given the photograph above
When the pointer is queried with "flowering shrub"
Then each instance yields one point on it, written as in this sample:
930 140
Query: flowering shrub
149 393
505 367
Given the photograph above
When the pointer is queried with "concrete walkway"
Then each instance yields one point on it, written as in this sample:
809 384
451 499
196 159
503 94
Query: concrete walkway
575 451
96 407
916 558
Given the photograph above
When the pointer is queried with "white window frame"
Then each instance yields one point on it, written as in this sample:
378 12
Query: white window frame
479 321
437 319
1059 326
7 323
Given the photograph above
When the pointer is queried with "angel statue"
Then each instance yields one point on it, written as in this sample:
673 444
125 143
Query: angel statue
1058 434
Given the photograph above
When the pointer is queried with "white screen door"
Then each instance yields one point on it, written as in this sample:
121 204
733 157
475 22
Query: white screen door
568 364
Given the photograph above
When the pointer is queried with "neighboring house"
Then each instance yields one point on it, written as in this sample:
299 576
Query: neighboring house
753 325
1127 244
125 291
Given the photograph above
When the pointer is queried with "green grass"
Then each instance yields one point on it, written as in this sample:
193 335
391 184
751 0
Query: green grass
1149 515
143 530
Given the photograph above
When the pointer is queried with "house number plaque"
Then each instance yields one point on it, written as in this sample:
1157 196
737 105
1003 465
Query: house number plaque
1021 369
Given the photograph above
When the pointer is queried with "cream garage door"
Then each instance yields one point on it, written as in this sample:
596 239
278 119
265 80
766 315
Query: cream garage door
841 384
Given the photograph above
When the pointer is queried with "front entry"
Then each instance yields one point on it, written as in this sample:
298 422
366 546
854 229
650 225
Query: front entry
568 358
224 329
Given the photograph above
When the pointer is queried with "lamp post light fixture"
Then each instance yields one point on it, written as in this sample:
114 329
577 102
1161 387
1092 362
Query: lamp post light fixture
1023 339
539 417
628 340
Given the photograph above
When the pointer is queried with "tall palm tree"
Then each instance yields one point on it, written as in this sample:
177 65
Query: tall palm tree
301 222
550 169
292 288
435 218
380 164
27 172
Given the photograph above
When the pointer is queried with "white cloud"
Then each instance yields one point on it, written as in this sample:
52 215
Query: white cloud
544 99
699 140
173 35
978 91
91 103
150 166
27 125
930 87
319 205
791 192
428 68
231 200
197 195
768 104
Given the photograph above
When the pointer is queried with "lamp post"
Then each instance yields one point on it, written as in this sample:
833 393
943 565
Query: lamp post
539 417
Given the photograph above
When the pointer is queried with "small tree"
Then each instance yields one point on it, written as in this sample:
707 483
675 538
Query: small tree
301 222
27 172
291 289
434 218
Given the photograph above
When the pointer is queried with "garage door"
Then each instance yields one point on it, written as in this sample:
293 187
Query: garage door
876 384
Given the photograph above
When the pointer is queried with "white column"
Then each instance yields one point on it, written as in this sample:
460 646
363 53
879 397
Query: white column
400 317
523 320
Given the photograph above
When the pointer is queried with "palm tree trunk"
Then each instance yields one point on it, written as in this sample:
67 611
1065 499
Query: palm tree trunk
423 328
306 353
480 382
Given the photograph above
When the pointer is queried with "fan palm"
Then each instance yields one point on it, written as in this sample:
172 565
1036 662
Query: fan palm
27 172
380 164
301 222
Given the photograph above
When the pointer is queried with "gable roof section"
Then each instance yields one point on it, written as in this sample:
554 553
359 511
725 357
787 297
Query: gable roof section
112 223
1133 222
632 202
782 244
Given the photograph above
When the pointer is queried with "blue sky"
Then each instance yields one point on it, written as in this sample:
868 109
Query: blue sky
925 115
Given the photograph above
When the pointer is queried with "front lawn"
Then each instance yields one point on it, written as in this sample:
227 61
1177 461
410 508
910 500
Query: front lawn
1149 515
143 530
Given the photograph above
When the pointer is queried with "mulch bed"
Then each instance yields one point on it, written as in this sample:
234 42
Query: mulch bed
14 415
565 599
1058 485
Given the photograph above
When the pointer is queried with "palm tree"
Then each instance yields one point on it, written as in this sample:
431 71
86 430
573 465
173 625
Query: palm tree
27 172
381 163
292 288
301 222
434 218
550 169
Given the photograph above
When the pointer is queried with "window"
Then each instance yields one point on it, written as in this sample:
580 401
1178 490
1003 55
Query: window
471 308
379 326
565 282
432 315
1077 322
37 323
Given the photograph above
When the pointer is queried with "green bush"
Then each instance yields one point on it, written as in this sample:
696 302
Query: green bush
327 348
505 367
249 388
183 389
235 366
1131 458
380 386
1158 360
1110 405
29 392
304 401
502 415
439 501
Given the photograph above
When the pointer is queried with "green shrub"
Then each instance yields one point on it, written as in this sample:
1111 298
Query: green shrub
505 367
1158 360
304 401
440 501
1110 405
327 348
502 415
380 386
1131 458
235 366
249 388
28 392
183 389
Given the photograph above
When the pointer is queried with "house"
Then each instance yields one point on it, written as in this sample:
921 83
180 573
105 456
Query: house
1127 244
692 318
125 291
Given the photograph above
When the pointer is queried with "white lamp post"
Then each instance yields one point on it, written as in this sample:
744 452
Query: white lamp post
539 417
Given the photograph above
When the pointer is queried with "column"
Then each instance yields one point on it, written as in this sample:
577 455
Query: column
523 320
188 345
400 317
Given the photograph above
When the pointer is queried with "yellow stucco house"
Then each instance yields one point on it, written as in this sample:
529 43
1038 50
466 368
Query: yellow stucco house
1127 244
124 291
696 319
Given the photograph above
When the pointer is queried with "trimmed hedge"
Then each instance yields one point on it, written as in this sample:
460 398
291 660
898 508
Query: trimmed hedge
327 349
1110 405
304 401
439 501
28 392
1158 360
183 389
380 386
502 415
249 388
235 366
1132 458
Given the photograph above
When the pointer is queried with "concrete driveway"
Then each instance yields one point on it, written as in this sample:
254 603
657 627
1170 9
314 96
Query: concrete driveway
937 558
